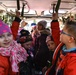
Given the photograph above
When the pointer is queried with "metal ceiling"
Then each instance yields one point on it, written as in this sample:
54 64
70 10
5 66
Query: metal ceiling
38 6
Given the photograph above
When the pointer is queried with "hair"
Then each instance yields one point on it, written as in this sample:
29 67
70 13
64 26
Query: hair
71 28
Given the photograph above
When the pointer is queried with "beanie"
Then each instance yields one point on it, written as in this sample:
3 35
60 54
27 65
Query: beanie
24 33
49 38
25 39
43 23
4 28
33 24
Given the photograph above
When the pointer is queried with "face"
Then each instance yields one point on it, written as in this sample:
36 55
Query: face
6 39
27 45
51 45
65 36
39 27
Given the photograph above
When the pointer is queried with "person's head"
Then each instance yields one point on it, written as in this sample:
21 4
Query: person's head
41 25
68 34
24 32
26 41
6 36
50 43
33 25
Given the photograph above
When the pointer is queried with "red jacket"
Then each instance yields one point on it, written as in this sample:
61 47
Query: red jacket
55 32
67 65
15 27
5 68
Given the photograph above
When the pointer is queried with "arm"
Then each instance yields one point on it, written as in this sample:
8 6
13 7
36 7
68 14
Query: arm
55 29
15 25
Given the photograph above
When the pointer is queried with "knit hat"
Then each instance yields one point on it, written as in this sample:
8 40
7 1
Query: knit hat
33 24
43 23
24 33
25 39
4 28
49 38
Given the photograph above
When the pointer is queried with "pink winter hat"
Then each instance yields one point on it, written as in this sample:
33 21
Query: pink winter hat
4 28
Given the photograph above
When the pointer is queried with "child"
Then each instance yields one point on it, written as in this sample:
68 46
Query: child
41 49
11 53
51 45
68 36
26 42
26 68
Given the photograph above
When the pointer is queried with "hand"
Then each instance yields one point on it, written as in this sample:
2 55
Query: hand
44 69
55 16
17 13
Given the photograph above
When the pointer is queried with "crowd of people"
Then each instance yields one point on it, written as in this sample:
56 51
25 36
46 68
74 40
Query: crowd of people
41 52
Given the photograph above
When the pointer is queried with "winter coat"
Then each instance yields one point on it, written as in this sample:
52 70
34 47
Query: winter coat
5 68
68 64
49 62
57 57
42 51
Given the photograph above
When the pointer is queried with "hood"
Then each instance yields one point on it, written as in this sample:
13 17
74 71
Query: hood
45 32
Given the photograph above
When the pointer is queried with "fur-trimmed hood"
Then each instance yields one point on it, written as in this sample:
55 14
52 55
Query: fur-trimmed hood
45 32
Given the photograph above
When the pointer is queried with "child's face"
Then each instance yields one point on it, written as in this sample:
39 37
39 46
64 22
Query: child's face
6 39
39 27
51 45
27 45
65 37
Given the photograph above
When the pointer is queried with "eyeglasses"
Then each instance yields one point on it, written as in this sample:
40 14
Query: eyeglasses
62 32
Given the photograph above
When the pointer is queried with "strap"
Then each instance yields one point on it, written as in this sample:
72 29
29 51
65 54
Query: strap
53 68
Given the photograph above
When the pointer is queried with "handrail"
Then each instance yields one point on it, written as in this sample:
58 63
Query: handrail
57 6
18 5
